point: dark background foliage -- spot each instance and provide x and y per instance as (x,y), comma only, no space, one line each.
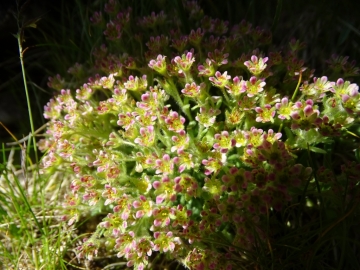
(62,38)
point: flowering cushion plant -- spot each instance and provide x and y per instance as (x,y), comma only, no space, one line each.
(194,149)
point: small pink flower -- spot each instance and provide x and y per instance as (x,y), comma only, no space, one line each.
(136,83)
(180,43)
(147,136)
(254,137)
(65,97)
(305,116)
(207,117)
(220,80)
(164,165)
(165,242)
(256,65)
(254,86)
(207,69)
(56,82)
(126,120)
(110,193)
(52,110)
(159,65)
(214,187)
(155,44)
(192,90)
(195,37)
(113,31)
(184,160)
(180,141)
(143,207)
(237,87)
(186,184)
(164,190)
(124,243)
(184,62)
(265,113)
(224,142)
(84,93)
(212,165)
(181,216)
(284,109)
(123,206)
(153,20)
(218,57)
(107,82)
(144,246)
(161,216)
(175,122)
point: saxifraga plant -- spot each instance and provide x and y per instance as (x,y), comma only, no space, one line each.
(210,146)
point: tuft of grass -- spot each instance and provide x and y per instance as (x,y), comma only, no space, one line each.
(32,235)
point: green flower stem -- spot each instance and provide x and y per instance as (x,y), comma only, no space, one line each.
(225,95)
(161,137)
(297,87)
(172,91)
(280,128)
(188,77)
(201,128)
(129,144)
(21,53)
